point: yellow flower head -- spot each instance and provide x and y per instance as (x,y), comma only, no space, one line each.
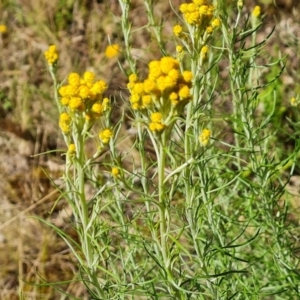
(3,28)
(177,30)
(71,149)
(133,78)
(204,51)
(184,92)
(206,10)
(84,92)
(192,7)
(51,55)
(293,101)
(115,172)
(174,74)
(156,127)
(135,98)
(65,101)
(179,48)
(105,104)
(99,87)
(130,85)
(256,11)
(204,137)
(146,101)
(105,135)
(216,23)
(154,70)
(75,103)
(184,8)
(174,98)
(64,122)
(156,117)
(97,108)
(161,83)
(192,18)
(168,63)
(138,88)
(89,77)
(149,86)
(209,29)
(64,117)
(112,50)
(74,79)
(70,90)
(165,83)
(187,76)
(156,122)
(63,91)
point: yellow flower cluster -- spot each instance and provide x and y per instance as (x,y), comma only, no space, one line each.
(198,13)
(156,122)
(165,89)
(71,149)
(105,135)
(204,51)
(64,122)
(204,137)
(84,94)
(165,84)
(83,98)
(177,29)
(51,55)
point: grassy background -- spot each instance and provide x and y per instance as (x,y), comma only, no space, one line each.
(29,251)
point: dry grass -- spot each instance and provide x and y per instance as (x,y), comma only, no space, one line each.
(29,251)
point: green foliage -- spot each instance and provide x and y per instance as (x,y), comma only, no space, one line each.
(6,103)
(64,14)
(204,216)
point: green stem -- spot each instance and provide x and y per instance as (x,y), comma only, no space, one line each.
(85,232)
(156,28)
(76,193)
(52,70)
(126,30)
(162,201)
